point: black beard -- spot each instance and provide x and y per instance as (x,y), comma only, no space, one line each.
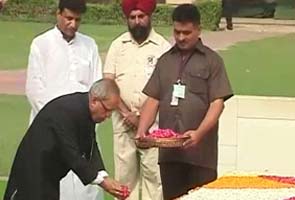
(139,33)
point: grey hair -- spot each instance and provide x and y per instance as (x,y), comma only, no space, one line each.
(104,88)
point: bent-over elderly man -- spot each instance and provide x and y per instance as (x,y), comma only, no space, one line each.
(62,138)
(62,61)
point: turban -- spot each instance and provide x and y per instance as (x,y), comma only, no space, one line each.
(146,6)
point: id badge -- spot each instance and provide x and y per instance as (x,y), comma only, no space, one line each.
(179,90)
(174,101)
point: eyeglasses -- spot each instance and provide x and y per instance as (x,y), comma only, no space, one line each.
(104,106)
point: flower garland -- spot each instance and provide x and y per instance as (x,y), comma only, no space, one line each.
(245,187)
(281,179)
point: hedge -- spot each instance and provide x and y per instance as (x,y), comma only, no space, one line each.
(44,11)
(210,13)
(30,10)
(261,9)
(285,9)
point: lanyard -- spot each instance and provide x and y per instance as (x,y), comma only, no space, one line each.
(183,63)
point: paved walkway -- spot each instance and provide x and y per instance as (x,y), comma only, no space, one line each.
(13,82)
(221,40)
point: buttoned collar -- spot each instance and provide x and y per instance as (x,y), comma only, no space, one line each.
(60,34)
(199,47)
(151,38)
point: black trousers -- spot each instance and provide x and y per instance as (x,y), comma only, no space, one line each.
(227,8)
(227,12)
(178,178)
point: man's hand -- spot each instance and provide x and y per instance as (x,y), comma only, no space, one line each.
(139,135)
(131,119)
(193,140)
(209,121)
(115,188)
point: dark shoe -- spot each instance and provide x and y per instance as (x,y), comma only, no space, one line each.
(229,23)
(229,27)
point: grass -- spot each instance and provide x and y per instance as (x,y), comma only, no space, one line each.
(264,67)
(16,37)
(105,138)
(285,9)
(14,121)
(2,188)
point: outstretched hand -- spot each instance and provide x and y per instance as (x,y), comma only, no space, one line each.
(115,188)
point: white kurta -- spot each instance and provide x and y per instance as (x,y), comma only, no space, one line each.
(57,67)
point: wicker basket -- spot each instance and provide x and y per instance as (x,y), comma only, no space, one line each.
(148,142)
(145,143)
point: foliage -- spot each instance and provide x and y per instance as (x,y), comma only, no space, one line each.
(44,11)
(104,14)
(30,10)
(34,2)
(162,15)
(255,9)
(210,11)
(285,9)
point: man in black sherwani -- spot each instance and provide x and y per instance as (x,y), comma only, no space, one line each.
(62,138)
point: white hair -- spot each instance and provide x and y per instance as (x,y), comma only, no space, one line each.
(104,88)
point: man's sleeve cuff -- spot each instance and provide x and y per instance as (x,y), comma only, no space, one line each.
(100,177)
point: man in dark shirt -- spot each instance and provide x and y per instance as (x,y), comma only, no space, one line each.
(62,138)
(188,88)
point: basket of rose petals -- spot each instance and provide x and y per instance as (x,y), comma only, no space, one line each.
(162,138)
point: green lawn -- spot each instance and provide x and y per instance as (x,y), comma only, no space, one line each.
(105,138)
(16,37)
(264,67)
(2,188)
(13,122)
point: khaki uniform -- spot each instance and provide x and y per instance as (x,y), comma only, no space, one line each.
(132,65)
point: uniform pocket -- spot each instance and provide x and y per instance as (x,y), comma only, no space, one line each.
(198,80)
